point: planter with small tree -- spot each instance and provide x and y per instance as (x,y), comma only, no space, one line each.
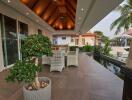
(26,70)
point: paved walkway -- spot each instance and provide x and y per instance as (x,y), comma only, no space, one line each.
(89,81)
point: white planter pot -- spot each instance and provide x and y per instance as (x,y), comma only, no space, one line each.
(41,94)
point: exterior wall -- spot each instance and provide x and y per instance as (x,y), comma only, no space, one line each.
(90,40)
(61,41)
(33,26)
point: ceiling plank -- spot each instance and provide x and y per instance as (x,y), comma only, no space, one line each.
(74,3)
(46,8)
(70,17)
(70,12)
(52,14)
(53,23)
(70,5)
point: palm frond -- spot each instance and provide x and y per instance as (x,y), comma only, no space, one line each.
(129,2)
(116,22)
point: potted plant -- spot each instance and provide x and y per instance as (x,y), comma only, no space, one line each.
(26,70)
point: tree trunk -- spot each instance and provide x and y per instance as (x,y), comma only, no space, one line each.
(36,84)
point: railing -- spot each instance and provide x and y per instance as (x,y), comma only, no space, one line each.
(121,70)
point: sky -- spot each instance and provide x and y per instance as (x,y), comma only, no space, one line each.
(104,24)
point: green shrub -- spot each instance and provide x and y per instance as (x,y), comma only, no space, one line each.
(73,48)
(23,71)
(106,49)
(88,48)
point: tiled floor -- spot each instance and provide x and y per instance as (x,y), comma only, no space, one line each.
(89,81)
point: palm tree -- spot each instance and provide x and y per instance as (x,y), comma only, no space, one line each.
(125,20)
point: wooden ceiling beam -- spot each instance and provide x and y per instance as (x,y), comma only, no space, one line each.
(53,23)
(50,1)
(70,12)
(74,3)
(70,5)
(52,14)
(70,17)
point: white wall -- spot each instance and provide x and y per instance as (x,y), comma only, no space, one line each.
(33,26)
(60,41)
(89,40)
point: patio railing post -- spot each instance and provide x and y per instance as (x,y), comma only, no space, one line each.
(127,88)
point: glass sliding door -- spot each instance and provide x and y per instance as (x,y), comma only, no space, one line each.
(9,40)
(23,32)
(12,34)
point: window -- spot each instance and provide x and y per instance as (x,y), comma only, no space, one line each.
(9,40)
(63,38)
(76,41)
(23,30)
(54,40)
(72,40)
(83,41)
(39,31)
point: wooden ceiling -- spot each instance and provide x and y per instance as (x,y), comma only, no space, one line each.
(60,14)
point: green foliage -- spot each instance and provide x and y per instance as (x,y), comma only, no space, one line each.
(26,70)
(73,48)
(97,52)
(99,33)
(23,71)
(36,46)
(106,49)
(88,48)
(125,20)
(81,49)
(103,37)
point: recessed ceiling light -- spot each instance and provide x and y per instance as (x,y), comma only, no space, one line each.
(37,20)
(8,1)
(82,9)
(27,13)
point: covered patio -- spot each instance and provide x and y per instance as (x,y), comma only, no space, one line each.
(88,81)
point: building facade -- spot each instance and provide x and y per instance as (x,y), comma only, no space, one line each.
(76,39)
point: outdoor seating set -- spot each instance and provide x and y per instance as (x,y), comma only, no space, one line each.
(60,59)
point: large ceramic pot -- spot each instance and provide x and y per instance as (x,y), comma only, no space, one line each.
(41,94)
